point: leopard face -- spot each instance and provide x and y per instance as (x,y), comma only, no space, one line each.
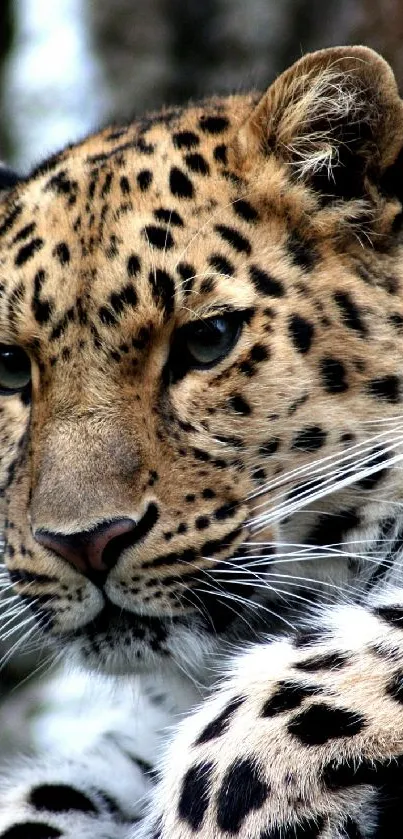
(199,313)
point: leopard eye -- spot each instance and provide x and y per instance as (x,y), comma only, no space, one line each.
(15,369)
(206,342)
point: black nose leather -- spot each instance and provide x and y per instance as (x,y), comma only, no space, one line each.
(94,552)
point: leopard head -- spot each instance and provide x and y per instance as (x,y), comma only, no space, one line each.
(200,314)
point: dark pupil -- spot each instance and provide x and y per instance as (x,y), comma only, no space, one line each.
(210,333)
(209,341)
(15,369)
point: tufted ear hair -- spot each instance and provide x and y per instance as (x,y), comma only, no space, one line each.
(8,179)
(335,117)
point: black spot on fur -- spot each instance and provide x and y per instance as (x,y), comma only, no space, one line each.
(240,405)
(195,792)
(197,163)
(142,146)
(234,238)
(321,723)
(25,231)
(31,830)
(395,687)
(201,455)
(264,283)
(61,184)
(378,457)
(221,723)
(309,637)
(144,179)
(60,798)
(287,696)
(333,375)
(27,251)
(10,220)
(302,253)
(324,661)
(213,124)
(106,316)
(158,237)
(163,289)
(220,154)
(202,522)
(207,285)
(309,439)
(305,828)
(221,265)
(62,253)
(301,333)
(396,319)
(125,185)
(133,265)
(391,614)
(185,140)
(245,210)
(226,511)
(242,791)
(187,274)
(122,299)
(269,447)
(386,387)
(42,309)
(168,217)
(179,183)
(350,312)
(259,353)
(350,773)
(107,185)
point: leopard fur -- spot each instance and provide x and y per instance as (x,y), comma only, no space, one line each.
(201,327)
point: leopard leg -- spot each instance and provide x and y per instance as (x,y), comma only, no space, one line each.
(303,740)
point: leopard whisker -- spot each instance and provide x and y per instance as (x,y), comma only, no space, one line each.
(323,464)
(25,639)
(244,601)
(315,468)
(16,628)
(329,485)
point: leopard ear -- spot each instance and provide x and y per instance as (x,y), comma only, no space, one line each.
(335,117)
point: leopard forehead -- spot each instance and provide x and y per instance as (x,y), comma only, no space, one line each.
(151,218)
(138,230)
(115,243)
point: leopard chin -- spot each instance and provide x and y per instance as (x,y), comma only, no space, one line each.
(121,642)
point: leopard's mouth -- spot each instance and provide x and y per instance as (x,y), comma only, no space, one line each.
(114,618)
(121,642)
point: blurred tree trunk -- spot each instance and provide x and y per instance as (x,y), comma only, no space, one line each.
(381,27)
(6,41)
(166,51)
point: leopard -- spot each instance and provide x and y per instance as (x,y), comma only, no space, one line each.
(201,386)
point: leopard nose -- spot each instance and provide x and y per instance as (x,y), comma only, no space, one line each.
(93,552)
